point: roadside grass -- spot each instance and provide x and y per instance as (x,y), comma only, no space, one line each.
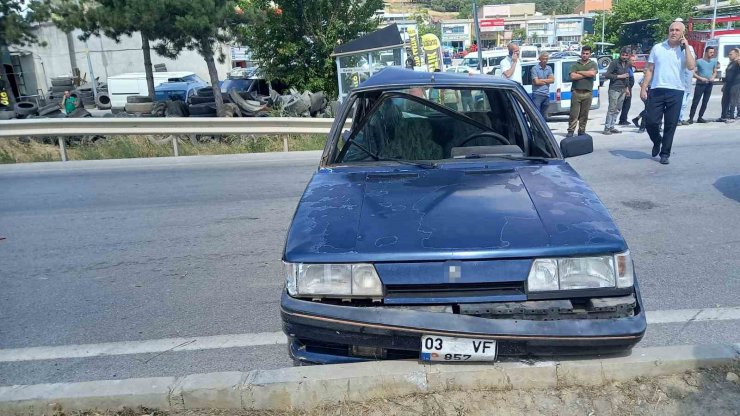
(126,147)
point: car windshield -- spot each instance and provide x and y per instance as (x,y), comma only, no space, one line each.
(471,62)
(430,124)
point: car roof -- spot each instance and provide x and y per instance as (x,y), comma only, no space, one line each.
(393,78)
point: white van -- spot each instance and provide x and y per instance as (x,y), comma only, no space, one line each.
(560,90)
(528,53)
(723,44)
(490,59)
(134,83)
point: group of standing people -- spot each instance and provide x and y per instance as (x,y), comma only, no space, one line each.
(665,88)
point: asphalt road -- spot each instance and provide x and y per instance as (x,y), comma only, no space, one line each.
(113,251)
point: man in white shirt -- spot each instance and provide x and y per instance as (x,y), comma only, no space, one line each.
(664,75)
(511,67)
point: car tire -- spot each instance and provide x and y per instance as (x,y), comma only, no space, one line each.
(203,110)
(204,92)
(196,99)
(159,108)
(7,115)
(48,109)
(103,101)
(604,61)
(138,99)
(139,107)
(25,108)
(79,113)
(56,114)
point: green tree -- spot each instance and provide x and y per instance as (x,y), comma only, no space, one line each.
(625,11)
(293,40)
(518,34)
(16,28)
(200,25)
(114,19)
(424,24)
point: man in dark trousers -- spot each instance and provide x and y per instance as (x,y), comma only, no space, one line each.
(618,75)
(706,72)
(732,81)
(664,76)
(583,74)
(628,96)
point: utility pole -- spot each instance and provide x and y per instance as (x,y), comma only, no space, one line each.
(714,19)
(477,37)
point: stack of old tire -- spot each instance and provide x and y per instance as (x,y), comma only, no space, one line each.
(203,103)
(58,86)
(84,93)
(139,105)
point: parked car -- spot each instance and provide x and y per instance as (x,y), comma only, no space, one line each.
(178,90)
(723,44)
(640,62)
(565,54)
(134,83)
(560,90)
(446,225)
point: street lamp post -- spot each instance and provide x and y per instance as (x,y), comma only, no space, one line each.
(477,37)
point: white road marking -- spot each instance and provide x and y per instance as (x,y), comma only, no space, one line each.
(276,338)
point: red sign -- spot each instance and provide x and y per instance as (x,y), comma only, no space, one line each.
(491,22)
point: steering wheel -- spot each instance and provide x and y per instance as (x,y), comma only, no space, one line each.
(492,134)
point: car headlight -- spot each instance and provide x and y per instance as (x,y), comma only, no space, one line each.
(581,273)
(332,280)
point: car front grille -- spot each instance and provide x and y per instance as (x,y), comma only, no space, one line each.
(444,291)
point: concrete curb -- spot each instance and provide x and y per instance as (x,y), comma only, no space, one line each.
(309,387)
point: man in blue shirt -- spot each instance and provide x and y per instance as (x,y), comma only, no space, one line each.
(706,72)
(663,75)
(542,77)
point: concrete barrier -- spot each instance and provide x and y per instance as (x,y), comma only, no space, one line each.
(308,387)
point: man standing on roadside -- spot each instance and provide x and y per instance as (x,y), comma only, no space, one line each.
(628,96)
(663,75)
(582,73)
(511,68)
(542,77)
(618,74)
(732,81)
(688,76)
(706,72)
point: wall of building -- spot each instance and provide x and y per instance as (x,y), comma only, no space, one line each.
(107,57)
(457,32)
(589,6)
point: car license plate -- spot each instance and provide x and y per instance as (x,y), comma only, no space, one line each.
(436,348)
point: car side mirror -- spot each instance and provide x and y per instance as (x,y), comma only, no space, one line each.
(579,145)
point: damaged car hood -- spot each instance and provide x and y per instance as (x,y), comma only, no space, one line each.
(486,212)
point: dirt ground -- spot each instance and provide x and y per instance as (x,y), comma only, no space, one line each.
(709,392)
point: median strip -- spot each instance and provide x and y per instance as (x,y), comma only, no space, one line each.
(309,387)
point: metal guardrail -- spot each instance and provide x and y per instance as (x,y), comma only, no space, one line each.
(164,126)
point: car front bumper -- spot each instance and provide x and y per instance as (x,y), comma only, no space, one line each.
(322,333)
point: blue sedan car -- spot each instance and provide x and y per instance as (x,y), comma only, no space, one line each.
(445,225)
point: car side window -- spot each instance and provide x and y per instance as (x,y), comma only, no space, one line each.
(527,72)
(535,134)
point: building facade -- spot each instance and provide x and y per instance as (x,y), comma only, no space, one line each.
(590,6)
(557,31)
(457,34)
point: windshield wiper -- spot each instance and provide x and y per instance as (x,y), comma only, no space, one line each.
(540,159)
(393,159)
